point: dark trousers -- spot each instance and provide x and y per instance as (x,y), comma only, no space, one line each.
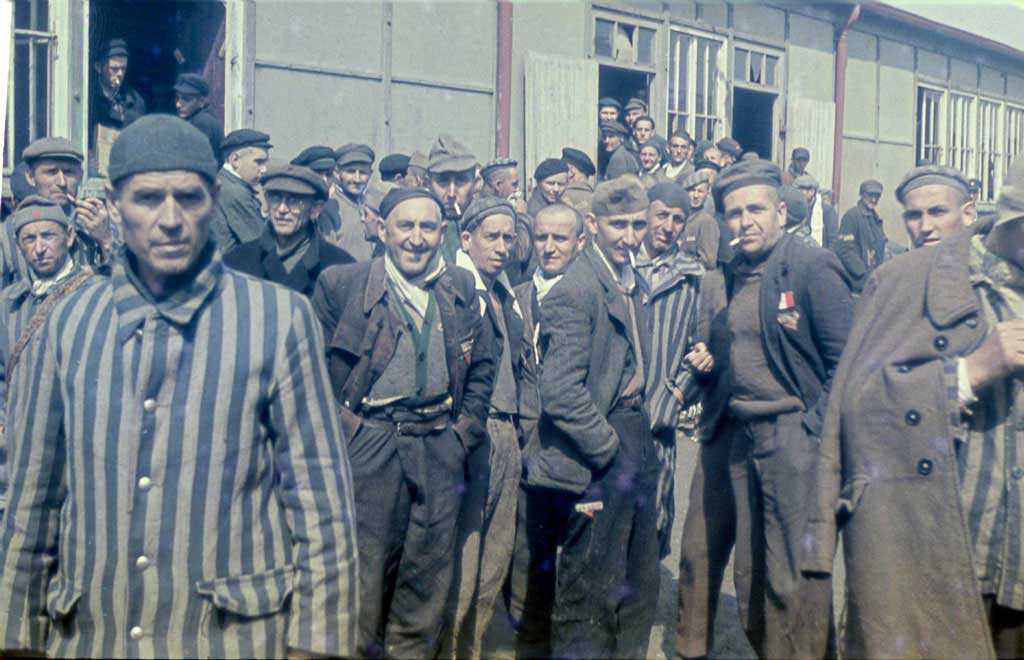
(606,588)
(407,492)
(709,533)
(784,613)
(1007,626)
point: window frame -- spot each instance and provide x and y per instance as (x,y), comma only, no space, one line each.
(635,22)
(34,38)
(689,113)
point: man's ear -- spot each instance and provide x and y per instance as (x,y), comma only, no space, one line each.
(465,238)
(782,214)
(591,222)
(970,211)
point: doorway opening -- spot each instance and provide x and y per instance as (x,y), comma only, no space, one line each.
(621,85)
(752,120)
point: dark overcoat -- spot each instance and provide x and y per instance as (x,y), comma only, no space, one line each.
(260,259)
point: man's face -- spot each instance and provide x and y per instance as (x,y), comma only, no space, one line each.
(553,186)
(45,246)
(632,115)
(411,234)
(870,199)
(612,141)
(372,223)
(575,175)
(490,245)
(250,163)
(455,189)
(165,220)
(726,158)
(933,213)
(619,236)
(664,224)
(353,179)
(505,182)
(643,130)
(649,157)
(800,164)
(698,194)
(187,104)
(289,212)
(756,216)
(810,194)
(556,240)
(608,113)
(715,155)
(327,176)
(113,71)
(55,178)
(679,150)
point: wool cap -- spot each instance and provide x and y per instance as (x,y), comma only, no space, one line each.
(398,195)
(20,187)
(112,48)
(418,159)
(580,160)
(449,155)
(730,146)
(609,102)
(319,158)
(750,155)
(743,174)
(392,165)
(1010,205)
(51,147)
(495,165)
(670,194)
(354,154)
(160,143)
(296,179)
(549,167)
(636,104)
(705,164)
(242,138)
(624,195)
(483,207)
(872,187)
(929,175)
(806,181)
(614,127)
(375,193)
(36,208)
(801,153)
(192,84)
(696,178)
(796,205)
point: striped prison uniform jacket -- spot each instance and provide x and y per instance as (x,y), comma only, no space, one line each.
(179,484)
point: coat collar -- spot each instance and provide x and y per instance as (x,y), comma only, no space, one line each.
(949,295)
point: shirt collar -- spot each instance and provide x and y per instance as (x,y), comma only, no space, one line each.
(543,285)
(626,280)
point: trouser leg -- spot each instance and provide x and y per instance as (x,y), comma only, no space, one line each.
(665,449)
(469,544)
(748,567)
(709,532)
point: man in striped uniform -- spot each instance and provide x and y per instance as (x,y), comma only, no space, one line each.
(179,483)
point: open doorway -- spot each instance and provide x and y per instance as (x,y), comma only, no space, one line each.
(621,85)
(752,120)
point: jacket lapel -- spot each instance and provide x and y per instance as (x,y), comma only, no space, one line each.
(949,296)
(615,301)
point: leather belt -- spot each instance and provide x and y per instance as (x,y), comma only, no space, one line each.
(415,429)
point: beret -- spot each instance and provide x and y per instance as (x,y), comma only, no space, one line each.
(418,159)
(871,186)
(800,153)
(481,208)
(297,179)
(354,154)
(549,167)
(609,102)
(20,187)
(750,155)
(393,164)
(113,48)
(580,160)
(51,147)
(399,194)
(670,194)
(806,181)
(730,146)
(705,164)
(614,127)
(449,155)
(374,194)
(928,175)
(621,196)
(191,83)
(1010,205)
(160,143)
(35,208)
(636,104)
(318,158)
(244,137)
(495,165)
(746,173)
(696,178)
(796,205)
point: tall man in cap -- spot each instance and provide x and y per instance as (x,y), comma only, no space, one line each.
(551,178)
(680,152)
(702,235)
(192,105)
(862,244)
(822,219)
(341,221)
(609,109)
(797,165)
(488,517)
(620,160)
(238,214)
(920,462)
(451,173)
(789,313)
(178,440)
(597,460)
(290,252)
(393,168)
(412,364)
(936,203)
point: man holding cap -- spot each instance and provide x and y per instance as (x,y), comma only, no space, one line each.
(190,100)
(192,402)
(393,167)
(862,244)
(451,173)
(550,178)
(412,365)
(341,220)
(238,215)
(798,161)
(290,252)
(822,218)
(597,461)
(620,159)
(919,463)
(936,203)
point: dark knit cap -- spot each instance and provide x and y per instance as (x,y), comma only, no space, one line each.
(51,147)
(242,138)
(932,175)
(399,195)
(796,205)
(319,158)
(549,167)
(35,208)
(609,102)
(705,164)
(481,208)
(191,84)
(580,160)
(112,48)
(746,173)
(354,154)
(161,143)
(670,194)
(392,165)
(730,146)
(296,179)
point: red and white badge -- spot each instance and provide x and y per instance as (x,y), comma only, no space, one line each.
(787,301)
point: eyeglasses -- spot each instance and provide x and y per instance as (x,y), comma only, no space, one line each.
(291,200)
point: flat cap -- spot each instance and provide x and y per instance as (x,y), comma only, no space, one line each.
(483,207)
(705,164)
(871,187)
(35,208)
(801,153)
(161,143)
(580,160)
(730,146)
(805,181)
(1010,205)
(670,194)
(449,155)
(497,164)
(549,167)
(796,205)
(398,194)
(624,195)
(392,165)
(296,179)
(746,173)
(636,104)
(354,154)
(418,159)
(375,193)
(319,158)
(51,147)
(192,84)
(614,127)
(697,178)
(112,48)
(929,175)
(20,187)
(244,137)
(609,102)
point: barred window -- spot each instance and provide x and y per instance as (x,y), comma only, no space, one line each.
(929,131)
(696,88)
(28,93)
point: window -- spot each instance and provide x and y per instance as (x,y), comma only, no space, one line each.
(989,149)
(1014,134)
(929,103)
(28,93)
(696,88)
(625,43)
(753,67)
(960,150)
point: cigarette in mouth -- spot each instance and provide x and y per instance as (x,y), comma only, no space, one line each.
(458,209)
(734,242)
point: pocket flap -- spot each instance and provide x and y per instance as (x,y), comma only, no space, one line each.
(61,598)
(256,594)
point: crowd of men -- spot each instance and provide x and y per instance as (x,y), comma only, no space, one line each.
(256,407)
